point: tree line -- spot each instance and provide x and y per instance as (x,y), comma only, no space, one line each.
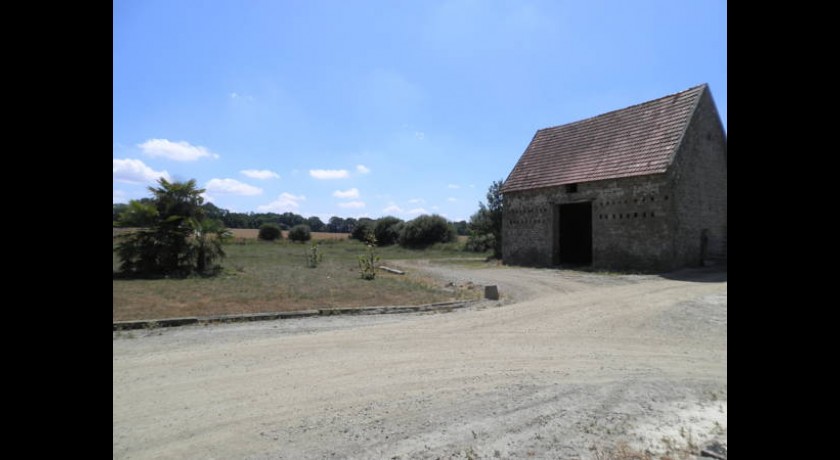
(126,215)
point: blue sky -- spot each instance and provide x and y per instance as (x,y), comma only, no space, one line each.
(373,108)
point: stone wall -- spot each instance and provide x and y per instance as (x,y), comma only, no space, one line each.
(699,175)
(630,223)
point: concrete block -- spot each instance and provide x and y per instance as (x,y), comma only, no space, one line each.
(491,292)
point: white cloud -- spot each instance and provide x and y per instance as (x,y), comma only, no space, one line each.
(232,187)
(453,186)
(210,199)
(416,201)
(451,200)
(236,95)
(178,151)
(351,193)
(328,173)
(419,135)
(472,185)
(352,204)
(120,197)
(417,211)
(262,174)
(393,209)
(285,202)
(136,172)
(362,169)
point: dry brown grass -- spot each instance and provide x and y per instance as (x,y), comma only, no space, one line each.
(271,277)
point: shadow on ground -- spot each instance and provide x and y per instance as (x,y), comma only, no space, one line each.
(713,274)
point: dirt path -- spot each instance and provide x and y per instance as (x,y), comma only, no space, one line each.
(566,361)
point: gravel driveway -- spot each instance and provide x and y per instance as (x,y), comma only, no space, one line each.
(566,365)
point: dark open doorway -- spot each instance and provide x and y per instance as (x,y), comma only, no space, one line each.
(575,233)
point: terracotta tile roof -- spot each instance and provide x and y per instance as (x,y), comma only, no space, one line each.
(634,141)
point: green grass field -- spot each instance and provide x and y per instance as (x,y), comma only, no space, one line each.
(269,277)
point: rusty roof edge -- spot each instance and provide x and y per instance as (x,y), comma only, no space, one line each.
(704,88)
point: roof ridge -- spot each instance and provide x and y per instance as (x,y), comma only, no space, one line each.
(693,88)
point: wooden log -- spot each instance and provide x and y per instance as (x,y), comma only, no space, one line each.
(392,270)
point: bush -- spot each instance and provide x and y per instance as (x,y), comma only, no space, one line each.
(426,230)
(480,243)
(361,231)
(314,256)
(368,261)
(269,232)
(300,233)
(387,230)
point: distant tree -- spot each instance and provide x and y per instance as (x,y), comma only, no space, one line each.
(176,239)
(290,219)
(118,209)
(362,229)
(485,226)
(316,224)
(337,225)
(461,227)
(300,233)
(237,220)
(387,230)
(269,232)
(350,224)
(426,230)
(211,211)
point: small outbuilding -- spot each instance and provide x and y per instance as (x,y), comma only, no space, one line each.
(643,187)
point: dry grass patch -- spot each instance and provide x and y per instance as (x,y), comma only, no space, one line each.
(270,277)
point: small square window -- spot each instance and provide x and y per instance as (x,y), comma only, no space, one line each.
(571,188)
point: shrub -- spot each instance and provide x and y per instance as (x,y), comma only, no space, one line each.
(426,230)
(368,261)
(300,233)
(314,256)
(487,222)
(387,230)
(362,230)
(269,232)
(480,243)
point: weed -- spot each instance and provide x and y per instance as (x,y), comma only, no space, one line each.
(471,455)
(368,261)
(314,256)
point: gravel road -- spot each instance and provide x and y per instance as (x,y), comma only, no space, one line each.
(566,365)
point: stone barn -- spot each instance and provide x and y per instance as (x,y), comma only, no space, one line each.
(639,188)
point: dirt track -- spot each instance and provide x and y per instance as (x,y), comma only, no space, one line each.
(566,361)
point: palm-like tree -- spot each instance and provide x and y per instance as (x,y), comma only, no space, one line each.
(177,239)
